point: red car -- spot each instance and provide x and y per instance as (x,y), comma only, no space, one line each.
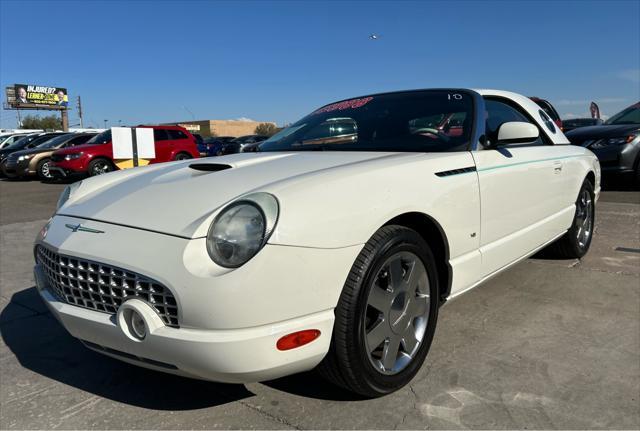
(96,156)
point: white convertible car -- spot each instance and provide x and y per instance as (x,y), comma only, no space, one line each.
(331,247)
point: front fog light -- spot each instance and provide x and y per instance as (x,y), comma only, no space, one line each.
(242,229)
(136,323)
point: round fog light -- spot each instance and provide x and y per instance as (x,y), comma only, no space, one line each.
(136,323)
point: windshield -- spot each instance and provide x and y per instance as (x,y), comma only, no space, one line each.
(54,142)
(419,121)
(100,138)
(20,143)
(631,115)
(41,139)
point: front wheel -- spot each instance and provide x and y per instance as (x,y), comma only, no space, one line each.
(99,167)
(43,170)
(386,317)
(182,156)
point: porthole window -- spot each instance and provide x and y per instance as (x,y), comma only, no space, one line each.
(547,121)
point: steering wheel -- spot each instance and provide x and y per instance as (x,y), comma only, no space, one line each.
(439,133)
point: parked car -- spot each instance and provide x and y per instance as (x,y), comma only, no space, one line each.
(237,145)
(198,138)
(36,161)
(25,143)
(575,123)
(616,142)
(7,140)
(548,108)
(319,250)
(96,156)
(213,146)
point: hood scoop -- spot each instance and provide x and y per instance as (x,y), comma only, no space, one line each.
(209,167)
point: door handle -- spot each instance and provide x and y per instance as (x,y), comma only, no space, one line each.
(557,167)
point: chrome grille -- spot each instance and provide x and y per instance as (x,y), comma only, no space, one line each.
(103,287)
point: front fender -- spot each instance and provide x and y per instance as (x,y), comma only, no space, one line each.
(344,206)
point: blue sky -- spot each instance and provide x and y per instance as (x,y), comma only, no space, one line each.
(148,62)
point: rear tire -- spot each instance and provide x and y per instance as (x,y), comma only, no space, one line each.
(43,170)
(99,167)
(576,242)
(386,316)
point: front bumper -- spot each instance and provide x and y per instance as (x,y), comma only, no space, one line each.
(229,321)
(230,356)
(16,169)
(71,167)
(618,159)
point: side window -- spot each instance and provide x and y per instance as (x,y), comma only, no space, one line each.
(176,134)
(160,135)
(334,130)
(79,140)
(497,113)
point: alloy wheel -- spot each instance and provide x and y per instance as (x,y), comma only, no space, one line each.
(102,167)
(46,172)
(397,313)
(584,218)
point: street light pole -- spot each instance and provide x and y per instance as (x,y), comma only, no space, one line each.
(105,123)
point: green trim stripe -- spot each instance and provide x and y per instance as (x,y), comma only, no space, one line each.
(491,168)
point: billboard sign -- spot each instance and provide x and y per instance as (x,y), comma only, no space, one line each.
(43,96)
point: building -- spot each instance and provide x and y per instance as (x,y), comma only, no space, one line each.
(221,127)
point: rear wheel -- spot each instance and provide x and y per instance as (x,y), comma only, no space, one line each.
(99,167)
(43,170)
(576,242)
(386,316)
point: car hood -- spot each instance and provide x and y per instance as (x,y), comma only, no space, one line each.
(5,152)
(175,199)
(77,148)
(580,134)
(34,151)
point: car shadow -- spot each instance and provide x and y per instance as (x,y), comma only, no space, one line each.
(43,346)
(312,385)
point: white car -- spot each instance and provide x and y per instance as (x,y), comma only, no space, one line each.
(333,246)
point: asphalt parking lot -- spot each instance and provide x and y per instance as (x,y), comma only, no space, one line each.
(548,344)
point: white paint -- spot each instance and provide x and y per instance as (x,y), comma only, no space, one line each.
(518,200)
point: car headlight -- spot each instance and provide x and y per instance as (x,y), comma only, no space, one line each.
(25,157)
(613,141)
(66,194)
(241,229)
(73,156)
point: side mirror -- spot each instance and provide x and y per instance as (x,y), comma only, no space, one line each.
(517,132)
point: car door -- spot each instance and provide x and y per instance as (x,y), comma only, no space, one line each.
(522,203)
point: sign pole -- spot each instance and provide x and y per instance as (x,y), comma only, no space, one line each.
(65,120)
(80,113)
(134,144)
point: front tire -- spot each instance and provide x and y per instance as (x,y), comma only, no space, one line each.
(99,167)
(44,173)
(576,242)
(386,317)
(182,156)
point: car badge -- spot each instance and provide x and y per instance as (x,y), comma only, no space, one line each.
(79,228)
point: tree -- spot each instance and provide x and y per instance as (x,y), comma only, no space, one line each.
(46,122)
(266,129)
